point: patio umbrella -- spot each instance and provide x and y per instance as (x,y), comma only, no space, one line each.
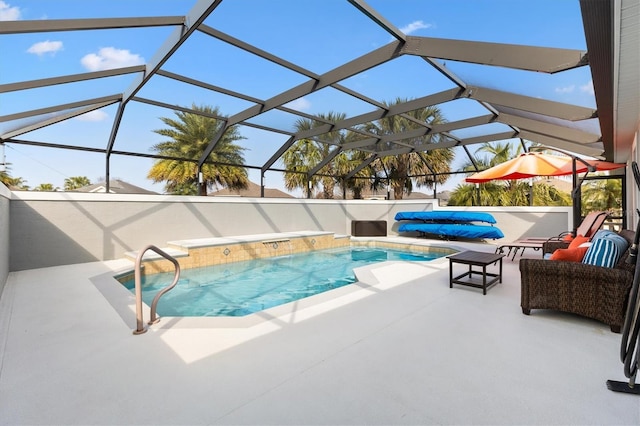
(593,166)
(524,166)
(533,164)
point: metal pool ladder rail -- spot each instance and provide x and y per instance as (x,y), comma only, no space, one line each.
(140,328)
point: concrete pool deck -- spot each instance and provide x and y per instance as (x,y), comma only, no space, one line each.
(409,350)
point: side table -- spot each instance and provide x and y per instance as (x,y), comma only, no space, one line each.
(479,259)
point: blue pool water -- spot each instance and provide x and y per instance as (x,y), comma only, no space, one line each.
(242,288)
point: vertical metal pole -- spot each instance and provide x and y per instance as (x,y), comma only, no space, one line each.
(577,197)
(202,187)
(112,140)
(107,164)
(344,188)
(3,160)
(261,184)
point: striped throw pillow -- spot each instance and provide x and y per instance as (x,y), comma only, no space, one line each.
(602,252)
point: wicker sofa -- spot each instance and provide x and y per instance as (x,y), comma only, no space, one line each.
(591,291)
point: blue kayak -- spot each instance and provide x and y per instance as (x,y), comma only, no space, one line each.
(453,230)
(446,216)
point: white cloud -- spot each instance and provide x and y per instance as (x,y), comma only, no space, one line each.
(414,26)
(45,47)
(110,58)
(588,88)
(8,13)
(300,104)
(566,89)
(95,115)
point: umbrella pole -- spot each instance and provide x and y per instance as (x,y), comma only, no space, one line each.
(530,191)
(576,195)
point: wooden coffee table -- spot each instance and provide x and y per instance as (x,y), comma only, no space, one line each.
(479,259)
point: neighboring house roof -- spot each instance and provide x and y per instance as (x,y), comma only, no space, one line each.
(115,187)
(253,190)
(415,195)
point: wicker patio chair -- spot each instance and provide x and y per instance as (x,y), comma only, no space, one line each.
(592,291)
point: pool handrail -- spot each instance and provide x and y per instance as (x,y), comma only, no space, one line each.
(140,328)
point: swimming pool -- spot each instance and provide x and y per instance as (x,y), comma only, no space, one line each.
(242,288)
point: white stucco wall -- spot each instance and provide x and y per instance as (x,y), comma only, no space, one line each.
(49,229)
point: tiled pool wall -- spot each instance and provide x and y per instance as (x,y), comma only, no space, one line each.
(226,252)
(208,253)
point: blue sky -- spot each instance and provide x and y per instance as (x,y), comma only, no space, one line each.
(318,35)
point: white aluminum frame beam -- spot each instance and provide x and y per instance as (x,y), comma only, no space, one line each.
(55,119)
(552,130)
(363,63)
(530,104)
(198,13)
(529,58)
(107,100)
(504,107)
(378,19)
(71,78)
(56,25)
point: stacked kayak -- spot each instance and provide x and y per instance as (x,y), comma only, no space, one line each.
(449,224)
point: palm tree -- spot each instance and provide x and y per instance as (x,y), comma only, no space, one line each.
(549,195)
(493,154)
(13,183)
(499,152)
(602,195)
(186,188)
(300,158)
(5,178)
(45,187)
(475,195)
(399,169)
(76,182)
(305,154)
(348,161)
(189,135)
(465,195)
(493,193)
(508,193)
